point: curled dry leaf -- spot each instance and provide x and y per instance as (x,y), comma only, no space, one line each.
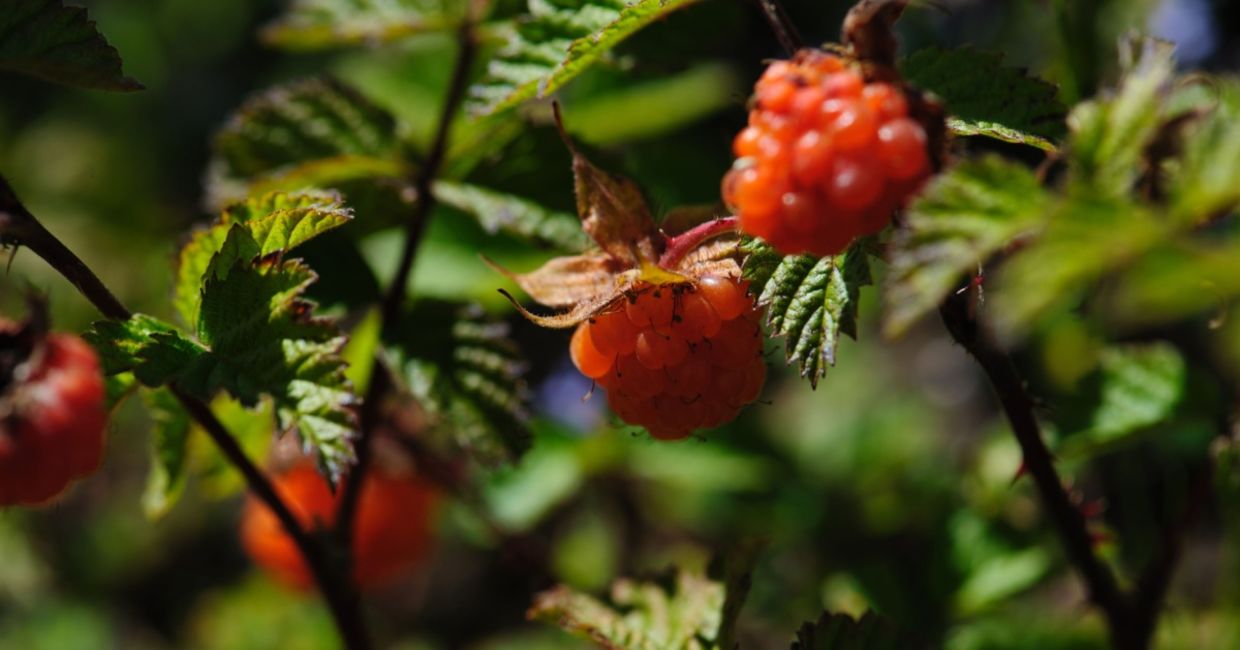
(633,255)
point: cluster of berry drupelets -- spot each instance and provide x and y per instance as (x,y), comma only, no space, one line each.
(826,158)
(676,358)
(52,419)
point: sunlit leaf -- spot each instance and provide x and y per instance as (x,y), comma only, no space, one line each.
(681,612)
(499,212)
(314,132)
(169,436)
(317,24)
(555,42)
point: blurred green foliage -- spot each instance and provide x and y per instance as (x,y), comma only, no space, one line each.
(891,487)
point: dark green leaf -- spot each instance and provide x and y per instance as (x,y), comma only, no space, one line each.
(985,97)
(736,566)
(169,438)
(555,42)
(46,39)
(316,24)
(966,215)
(467,376)
(512,214)
(842,632)
(810,301)
(680,613)
(315,132)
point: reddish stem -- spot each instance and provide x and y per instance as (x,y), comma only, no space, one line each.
(680,245)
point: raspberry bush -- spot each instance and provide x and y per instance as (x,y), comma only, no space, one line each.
(401,332)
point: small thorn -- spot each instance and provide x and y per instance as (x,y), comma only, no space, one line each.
(1099,537)
(1021,472)
(1092,509)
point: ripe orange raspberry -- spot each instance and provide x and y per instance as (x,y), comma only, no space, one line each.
(676,358)
(391,534)
(826,157)
(52,413)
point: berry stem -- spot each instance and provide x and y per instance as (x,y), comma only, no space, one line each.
(394,298)
(784,30)
(1069,524)
(18,225)
(682,244)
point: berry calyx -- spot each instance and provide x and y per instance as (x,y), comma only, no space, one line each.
(677,357)
(391,533)
(828,155)
(52,415)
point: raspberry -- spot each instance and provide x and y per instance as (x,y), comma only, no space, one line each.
(676,359)
(826,157)
(391,534)
(52,414)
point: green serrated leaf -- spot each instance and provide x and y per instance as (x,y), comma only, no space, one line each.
(46,39)
(998,131)
(277,223)
(1086,238)
(681,612)
(555,42)
(842,632)
(318,24)
(1140,387)
(169,448)
(314,132)
(985,97)
(809,301)
(263,340)
(467,376)
(498,212)
(154,351)
(966,215)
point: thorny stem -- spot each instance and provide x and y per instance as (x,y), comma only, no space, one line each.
(1068,521)
(394,298)
(785,31)
(19,225)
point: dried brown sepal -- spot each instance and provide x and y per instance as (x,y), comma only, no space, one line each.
(612,209)
(634,255)
(868,31)
(614,213)
(568,281)
(717,257)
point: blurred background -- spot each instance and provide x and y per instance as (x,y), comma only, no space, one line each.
(890,487)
